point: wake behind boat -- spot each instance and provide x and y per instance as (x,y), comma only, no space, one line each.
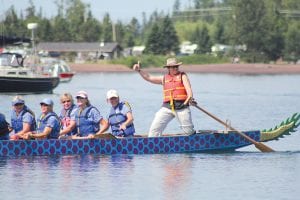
(202,141)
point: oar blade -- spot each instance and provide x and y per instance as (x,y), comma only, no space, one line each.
(263,148)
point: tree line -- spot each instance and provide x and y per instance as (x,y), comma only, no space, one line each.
(270,29)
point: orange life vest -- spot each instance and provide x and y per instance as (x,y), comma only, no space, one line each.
(173,88)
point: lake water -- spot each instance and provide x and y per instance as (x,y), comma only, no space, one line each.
(248,102)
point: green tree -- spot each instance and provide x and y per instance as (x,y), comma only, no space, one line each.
(107,29)
(11,24)
(75,15)
(176,6)
(202,39)
(250,26)
(45,31)
(90,29)
(250,23)
(168,37)
(61,30)
(153,45)
(120,32)
(219,33)
(292,44)
(30,10)
(163,38)
(132,33)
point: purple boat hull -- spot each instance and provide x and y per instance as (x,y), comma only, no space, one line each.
(207,141)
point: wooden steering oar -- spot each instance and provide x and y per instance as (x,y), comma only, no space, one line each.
(262,147)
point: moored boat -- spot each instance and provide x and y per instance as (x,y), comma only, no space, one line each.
(17,78)
(202,141)
(57,67)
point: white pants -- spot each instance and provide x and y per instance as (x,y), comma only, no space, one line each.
(165,115)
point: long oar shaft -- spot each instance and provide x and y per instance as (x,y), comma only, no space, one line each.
(262,147)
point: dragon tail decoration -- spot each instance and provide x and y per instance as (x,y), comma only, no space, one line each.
(285,128)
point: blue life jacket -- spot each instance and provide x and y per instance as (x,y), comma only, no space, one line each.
(116,119)
(83,124)
(42,122)
(4,131)
(65,116)
(17,121)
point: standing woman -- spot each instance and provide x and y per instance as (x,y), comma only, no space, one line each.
(88,119)
(177,94)
(22,118)
(48,125)
(67,115)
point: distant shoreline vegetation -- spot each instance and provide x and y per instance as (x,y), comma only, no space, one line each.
(157,60)
(270,30)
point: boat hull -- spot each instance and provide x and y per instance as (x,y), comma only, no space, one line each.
(66,77)
(136,145)
(28,84)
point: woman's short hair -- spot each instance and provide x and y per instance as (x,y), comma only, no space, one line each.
(65,96)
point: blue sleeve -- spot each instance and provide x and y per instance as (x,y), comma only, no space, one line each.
(73,114)
(95,115)
(126,108)
(28,118)
(52,122)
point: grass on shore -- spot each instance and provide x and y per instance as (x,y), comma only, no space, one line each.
(159,61)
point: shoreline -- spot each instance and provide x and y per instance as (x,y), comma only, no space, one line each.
(227,68)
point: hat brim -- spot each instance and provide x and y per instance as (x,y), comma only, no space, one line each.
(173,65)
(18,102)
(46,104)
(82,96)
(109,97)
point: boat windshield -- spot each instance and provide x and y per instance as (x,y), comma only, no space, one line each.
(10,59)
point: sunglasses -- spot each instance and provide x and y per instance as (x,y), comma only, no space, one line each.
(43,104)
(67,101)
(19,104)
(174,67)
(80,98)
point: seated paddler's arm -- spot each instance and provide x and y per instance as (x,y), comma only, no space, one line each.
(188,88)
(44,134)
(128,121)
(103,127)
(26,129)
(146,75)
(68,129)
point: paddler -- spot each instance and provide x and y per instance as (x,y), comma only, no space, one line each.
(177,94)
(120,118)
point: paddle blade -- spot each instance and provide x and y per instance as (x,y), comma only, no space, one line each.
(263,148)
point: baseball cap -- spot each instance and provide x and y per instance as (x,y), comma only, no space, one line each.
(111,93)
(82,94)
(47,101)
(17,100)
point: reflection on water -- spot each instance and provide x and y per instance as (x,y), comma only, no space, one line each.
(249,102)
(174,176)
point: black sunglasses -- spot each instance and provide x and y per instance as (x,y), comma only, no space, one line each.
(174,67)
(19,104)
(80,98)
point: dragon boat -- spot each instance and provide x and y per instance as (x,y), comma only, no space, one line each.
(201,141)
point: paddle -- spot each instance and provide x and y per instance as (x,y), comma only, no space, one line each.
(262,147)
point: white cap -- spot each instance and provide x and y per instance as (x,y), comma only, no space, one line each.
(111,93)
(82,94)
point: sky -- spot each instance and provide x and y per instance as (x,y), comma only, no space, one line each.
(122,10)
